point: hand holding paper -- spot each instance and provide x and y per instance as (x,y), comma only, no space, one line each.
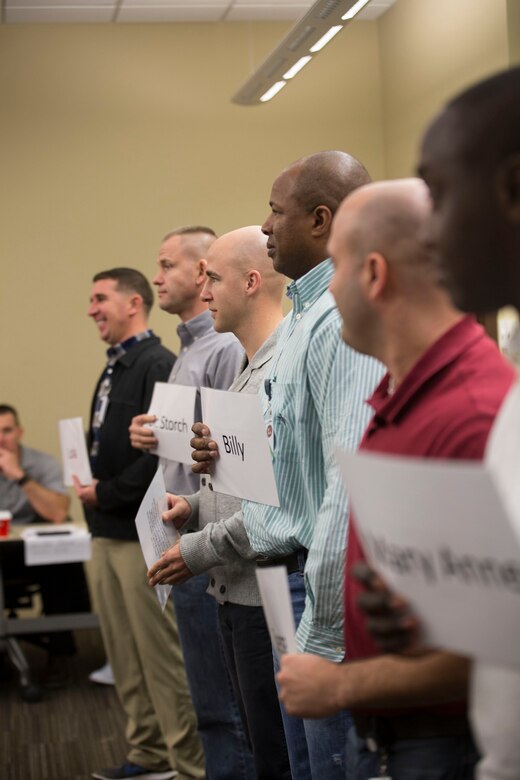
(74,453)
(170,569)
(205,449)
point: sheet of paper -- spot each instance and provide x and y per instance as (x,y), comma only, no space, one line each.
(174,407)
(155,536)
(276,601)
(503,455)
(244,468)
(46,544)
(438,533)
(74,453)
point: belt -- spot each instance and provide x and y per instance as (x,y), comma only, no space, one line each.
(380,732)
(293,562)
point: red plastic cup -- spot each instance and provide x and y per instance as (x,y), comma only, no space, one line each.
(5,522)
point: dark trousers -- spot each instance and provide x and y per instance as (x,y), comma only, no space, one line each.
(249,656)
(63,589)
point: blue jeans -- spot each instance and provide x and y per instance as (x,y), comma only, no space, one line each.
(250,659)
(445,758)
(226,748)
(316,747)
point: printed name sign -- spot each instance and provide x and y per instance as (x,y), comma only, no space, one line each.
(74,454)
(244,468)
(438,533)
(174,407)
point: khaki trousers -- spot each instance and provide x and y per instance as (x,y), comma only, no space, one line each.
(142,646)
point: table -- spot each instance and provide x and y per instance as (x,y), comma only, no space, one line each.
(13,627)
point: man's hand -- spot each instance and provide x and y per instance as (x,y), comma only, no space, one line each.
(309,685)
(141,436)
(10,465)
(205,450)
(170,569)
(86,493)
(389,620)
(179,510)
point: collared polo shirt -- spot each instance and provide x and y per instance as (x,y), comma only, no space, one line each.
(443,408)
(316,395)
(206,359)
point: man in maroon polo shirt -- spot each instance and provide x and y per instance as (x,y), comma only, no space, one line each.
(445,383)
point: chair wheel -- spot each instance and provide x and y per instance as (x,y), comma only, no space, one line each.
(31,693)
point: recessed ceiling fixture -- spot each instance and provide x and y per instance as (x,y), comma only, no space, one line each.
(324,20)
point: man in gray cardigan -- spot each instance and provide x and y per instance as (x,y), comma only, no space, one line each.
(244,295)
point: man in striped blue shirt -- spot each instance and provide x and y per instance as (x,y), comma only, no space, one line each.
(314,399)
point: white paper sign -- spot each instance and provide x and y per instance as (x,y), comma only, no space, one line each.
(56,544)
(438,533)
(74,453)
(503,455)
(174,407)
(244,467)
(155,536)
(276,601)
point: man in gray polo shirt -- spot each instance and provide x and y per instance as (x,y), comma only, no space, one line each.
(206,359)
(32,489)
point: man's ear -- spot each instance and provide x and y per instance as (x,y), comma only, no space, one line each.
(201,266)
(322,221)
(253,280)
(136,303)
(374,276)
(508,186)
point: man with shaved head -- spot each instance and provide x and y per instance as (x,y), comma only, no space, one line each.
(206,359)
(470,160)
(446,380)
(314,400)
(244,295)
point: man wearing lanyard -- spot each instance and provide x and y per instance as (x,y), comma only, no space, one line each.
(141,642)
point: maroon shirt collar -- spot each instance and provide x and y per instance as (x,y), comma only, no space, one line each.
(443,352)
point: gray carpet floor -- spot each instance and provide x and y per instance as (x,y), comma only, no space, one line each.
(68,734)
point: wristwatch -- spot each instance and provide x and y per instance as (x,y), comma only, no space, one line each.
(23,479)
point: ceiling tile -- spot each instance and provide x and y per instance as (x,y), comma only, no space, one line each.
(78,14)
(241,13)
(170,14)
(14,4)
(185,4)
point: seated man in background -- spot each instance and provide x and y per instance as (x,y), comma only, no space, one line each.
(32,489)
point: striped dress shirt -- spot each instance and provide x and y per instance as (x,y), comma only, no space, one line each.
(316,399)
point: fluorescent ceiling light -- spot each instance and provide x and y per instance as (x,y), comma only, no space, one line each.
(355,9)
(272,91)
(323,41)
(320,24)
(296,68)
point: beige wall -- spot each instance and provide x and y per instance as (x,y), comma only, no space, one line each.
(111,135)
(429,51)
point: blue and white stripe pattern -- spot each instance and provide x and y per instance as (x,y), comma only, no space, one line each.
(318,387)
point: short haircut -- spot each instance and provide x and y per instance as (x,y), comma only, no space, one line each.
(190,230)
(326,178)
(129,280)
(8,409)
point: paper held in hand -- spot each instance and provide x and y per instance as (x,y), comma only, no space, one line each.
(155,536)
(174,407)
(276,601)
(439,534)
(244,467)
(74,453)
